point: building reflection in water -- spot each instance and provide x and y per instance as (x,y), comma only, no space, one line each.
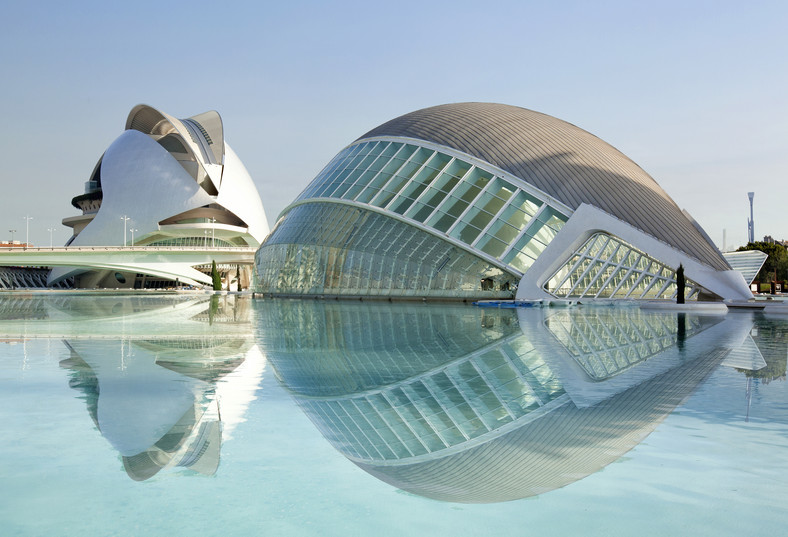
(165,380)
(485,405)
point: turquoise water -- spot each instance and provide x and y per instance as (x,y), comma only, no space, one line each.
(180,415)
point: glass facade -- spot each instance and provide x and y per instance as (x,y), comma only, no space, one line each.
(607,267)
(337,249)
(445,194)
(427,190)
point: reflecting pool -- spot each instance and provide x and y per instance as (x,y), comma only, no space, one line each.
(190,414)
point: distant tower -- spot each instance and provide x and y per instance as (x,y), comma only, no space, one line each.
(750,223)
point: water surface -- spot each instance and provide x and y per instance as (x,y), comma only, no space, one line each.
(230,416)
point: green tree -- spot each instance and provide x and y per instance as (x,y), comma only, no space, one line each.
(777,260)
(215,278)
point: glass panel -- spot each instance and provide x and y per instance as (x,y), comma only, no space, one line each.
(515,217)
(437,191)
(486,404)
(596,244)
(413,410)
(386,151)
(419,183)
(639,290)
(544,235)
(386,172)
(433,413)
(552,218)
(476,218)
(495,197)
(602,287)
(466,233)
(503,231)
(464,418)
(458,168)
(525,203)
(402,177)
(438,161)
(384,432)
(326,174)
(472,185)
(492,246)
(453,207)
(520,260)
(397,424)
(442,222)
(505,382)
(644,264)
(560,283)
(347,168)
(420,212)
(502,189)
(535,240)
(351,178)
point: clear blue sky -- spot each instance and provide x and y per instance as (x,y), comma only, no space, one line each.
(694,92)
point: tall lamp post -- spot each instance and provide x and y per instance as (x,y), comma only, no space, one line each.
(125,221)
(751,221)
(27,229)
(132,235)
(51,230)
(12,231)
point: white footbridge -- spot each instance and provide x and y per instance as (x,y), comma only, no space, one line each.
(168,262)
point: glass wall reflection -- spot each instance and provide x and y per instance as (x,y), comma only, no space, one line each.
(484,405)
(446,401)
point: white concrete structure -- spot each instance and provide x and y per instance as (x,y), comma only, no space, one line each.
(748,262)
(164,182)
(156,263)
(481,200)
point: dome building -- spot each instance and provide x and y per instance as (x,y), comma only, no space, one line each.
(481,200)
(165,182)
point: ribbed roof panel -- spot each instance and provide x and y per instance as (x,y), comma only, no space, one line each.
(561,160)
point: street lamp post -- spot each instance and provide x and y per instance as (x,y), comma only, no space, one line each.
(12,231)
(125,221)
(50,229)
(27,229)
(132,235)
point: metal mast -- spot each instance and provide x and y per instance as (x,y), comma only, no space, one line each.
(750,222)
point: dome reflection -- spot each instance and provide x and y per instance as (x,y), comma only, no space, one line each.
(485,405)
(164,400)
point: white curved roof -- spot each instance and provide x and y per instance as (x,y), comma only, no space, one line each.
(142,181)
(148,184)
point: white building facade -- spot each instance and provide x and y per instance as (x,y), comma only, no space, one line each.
(165,182)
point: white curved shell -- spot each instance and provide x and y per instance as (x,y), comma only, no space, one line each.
(168,178)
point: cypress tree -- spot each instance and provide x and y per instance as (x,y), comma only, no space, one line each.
(680,284)
(217,280)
